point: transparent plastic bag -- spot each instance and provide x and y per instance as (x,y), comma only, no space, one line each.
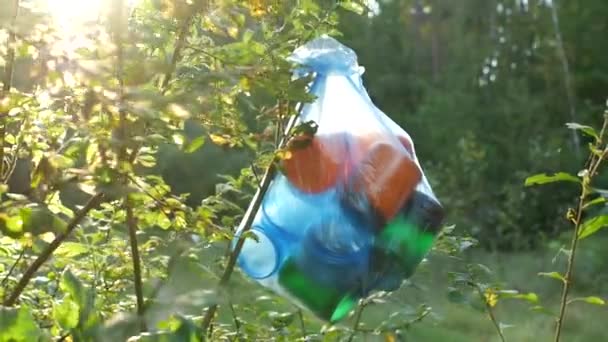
(352,211)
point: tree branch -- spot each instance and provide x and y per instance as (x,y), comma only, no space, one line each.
(7,80)
(566,71)
(122,156)
(132,225)
(247,221)
(46,254)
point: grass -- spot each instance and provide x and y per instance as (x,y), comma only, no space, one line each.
(448,321)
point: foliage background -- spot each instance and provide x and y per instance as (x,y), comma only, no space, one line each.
(173,110)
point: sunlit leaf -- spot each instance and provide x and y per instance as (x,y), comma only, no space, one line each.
(17,323)
(585,129)
(596,201)
(544,178)
(71,249)
(592,226)
(594,300)
(219,140)
(195,144)
(554,275)
(352,6)
(66,313)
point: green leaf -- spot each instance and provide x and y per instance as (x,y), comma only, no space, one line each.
(596,201)
(455,295)
(18,323)
(81,296)
(146,160)
(530,297)
(554,275)
(11,226)
(352,7)
(71,285)
(592,226)
(543,178)
(182,329)
(66,314)
(195,144)
(71,249)
(585,129)
(594,300)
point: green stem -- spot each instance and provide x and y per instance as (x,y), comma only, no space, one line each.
(358,316)
(567,283)
(490,311)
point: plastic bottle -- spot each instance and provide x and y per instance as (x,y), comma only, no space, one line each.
(317,166)
(410,235)
(262,258)
(329,269)
(385,172)
(292,209)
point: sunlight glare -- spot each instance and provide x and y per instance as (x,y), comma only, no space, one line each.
(68,14)
(75,18)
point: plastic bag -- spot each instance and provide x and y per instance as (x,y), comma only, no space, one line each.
(352,211)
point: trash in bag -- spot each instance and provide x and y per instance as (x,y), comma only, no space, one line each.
(351,211)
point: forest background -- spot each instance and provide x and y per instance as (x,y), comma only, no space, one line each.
(132,145)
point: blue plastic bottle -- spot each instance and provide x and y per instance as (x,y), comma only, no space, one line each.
(330,267)
(285,214)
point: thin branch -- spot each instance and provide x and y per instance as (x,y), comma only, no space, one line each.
(122,156)
(566,71)
(10,271)
(237,323)
(46,254)
(177,54)
(179,45)
(489,310)
(132,224)
(249,216)
(358,316)
(593,166)
(402,326)
(247,221)
(7,80)
(302,326)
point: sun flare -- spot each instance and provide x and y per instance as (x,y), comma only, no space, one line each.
(72,15)
(70,11)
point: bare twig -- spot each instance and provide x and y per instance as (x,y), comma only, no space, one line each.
(358,316)
(7,80)
(182,35)
(592,167)
(122,156)
(132,224)
(566,71)
(46,254)
(177,51)
(302,326)
(10,271)
(237,323)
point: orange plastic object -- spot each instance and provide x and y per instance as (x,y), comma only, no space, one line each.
(407,143)
(388,176)
(316,167)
